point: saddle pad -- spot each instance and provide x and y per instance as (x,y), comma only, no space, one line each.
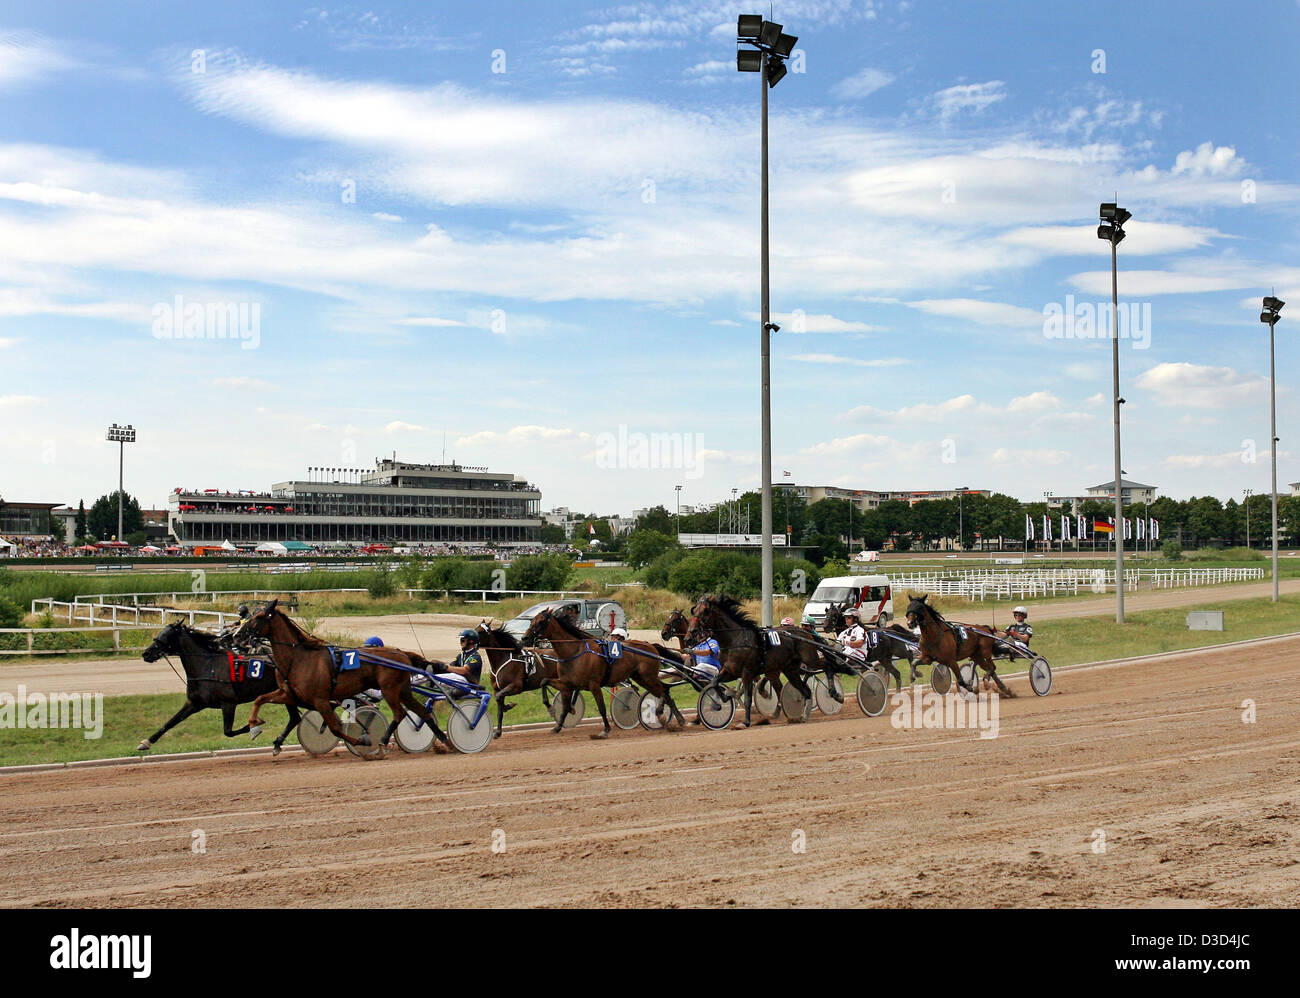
(774,638)
(614,651)
(873,638)
(351,660)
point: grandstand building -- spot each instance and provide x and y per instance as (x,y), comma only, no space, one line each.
(396,503)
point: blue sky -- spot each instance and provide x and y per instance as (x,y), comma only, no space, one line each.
(529,228)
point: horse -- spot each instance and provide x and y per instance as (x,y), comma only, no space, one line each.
(884,644)
(515,669)
(586,663)
(214,678)
(748,652)
(306,676)
(942,641)
(677,626)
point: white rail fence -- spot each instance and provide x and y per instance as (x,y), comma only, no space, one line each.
(981,584)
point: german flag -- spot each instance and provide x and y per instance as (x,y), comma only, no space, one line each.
(1100,526)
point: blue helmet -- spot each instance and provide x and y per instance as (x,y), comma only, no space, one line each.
(472,635)
(373,643)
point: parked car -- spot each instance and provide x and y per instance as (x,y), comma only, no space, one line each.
(870,594)
(598,616)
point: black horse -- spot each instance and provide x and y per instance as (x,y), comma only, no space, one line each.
(215,676)
(884,644)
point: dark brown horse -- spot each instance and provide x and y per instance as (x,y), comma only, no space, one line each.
(749,651)
(948,643)
(515,669)
(306,674)
(586,663)
(884,644)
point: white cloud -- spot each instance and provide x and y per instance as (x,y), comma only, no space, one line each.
(1201,386)
(830,358)
(428,320)
(969,97)
(843,445)
(397,426)
(1034,402)
(861,84)
(985,313)
(1145,238)
(921,411)
(1208,161)
(244,384)
(1022,456)
(800,322)
(522,435)
(17,400)
(29,58)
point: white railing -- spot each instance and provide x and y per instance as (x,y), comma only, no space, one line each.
(32,632)
(981,584)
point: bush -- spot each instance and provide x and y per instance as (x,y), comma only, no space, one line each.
(644,546)
(381,583)
(539,571)
(458,573)
(655,575)
(1171,551)
(11,614)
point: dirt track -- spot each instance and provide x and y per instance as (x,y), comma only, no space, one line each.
(1197,808)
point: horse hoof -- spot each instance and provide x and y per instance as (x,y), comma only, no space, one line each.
(254,732)
(275,750)
(557,729)
(144,746)
(365,740)
(440,749)
(599,736)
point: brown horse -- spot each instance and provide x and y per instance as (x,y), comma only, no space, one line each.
(943,641)
(305,671)
(586,663)
(515,669)
(749,651)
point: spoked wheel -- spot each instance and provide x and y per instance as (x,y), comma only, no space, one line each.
(765,698)
(653,711)
(940,678)
(716,708)
(314,736)
(464,734)
(576,711)
(1040,676)
(826,703)
(794,704)
(873,693)
(625,708)
(372,723)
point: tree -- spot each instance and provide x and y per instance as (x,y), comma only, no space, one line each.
(82,529)
(101,521)
(539,572)
(552,533)
(657,519)
(644,546)
(57,530)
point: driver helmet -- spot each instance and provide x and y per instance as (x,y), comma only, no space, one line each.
(1019,611)
(852,612)
(468,635)
(619,632)
(243,611)
(373,643)
(787,621)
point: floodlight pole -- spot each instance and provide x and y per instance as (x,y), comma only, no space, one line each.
(1272,447)
(121,463)
(1118,533)
(765,319)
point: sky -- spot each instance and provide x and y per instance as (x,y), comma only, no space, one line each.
(526,236)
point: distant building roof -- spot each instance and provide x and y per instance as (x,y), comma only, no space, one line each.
(1125,484)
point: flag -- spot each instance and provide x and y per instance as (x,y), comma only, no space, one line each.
(1155,529)
(1083,527)
(591,530)
(1103,525)
(1128,529)
(786,473)
(1065,528)
(1029,528)
(1047,528)
(1141,523)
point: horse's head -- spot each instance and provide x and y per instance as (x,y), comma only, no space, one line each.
(675,626)
(257,626)
(919,610)
(166,642)
(537,628)
(834,620)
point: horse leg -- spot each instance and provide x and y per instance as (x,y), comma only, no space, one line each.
(563,692)
(228,721)
(275,696)
(294,718)
(326,710)
(991,672)
(514,689)
(888,663)
(666,694)
(600,705)
(186,710)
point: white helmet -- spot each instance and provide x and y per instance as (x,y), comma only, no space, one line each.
(619,632)
(1020,609)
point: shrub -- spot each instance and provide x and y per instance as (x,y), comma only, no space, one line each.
(1171,551)
(11,614)
(381,583)
(655,575)
(539,571)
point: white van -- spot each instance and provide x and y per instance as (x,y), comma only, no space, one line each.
(870,594)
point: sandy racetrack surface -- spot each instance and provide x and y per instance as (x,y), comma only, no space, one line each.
(1196,807)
